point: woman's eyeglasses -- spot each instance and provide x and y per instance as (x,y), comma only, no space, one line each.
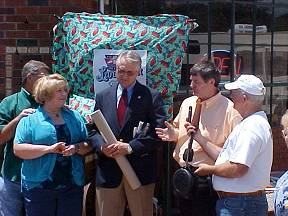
(285,133)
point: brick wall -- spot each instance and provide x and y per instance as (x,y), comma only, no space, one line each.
(26,33)
(280,151)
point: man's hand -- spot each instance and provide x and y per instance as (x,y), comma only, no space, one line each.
(190,128)
(168,133)
(26,112)
(115,149)
(204,170)
(198,137)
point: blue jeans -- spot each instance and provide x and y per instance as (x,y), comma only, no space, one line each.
(242,206)
(52,202)
(11,198)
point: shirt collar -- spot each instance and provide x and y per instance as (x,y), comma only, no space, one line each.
(211,101)
(25,91)
(29,96)
(46,116)
(129,89)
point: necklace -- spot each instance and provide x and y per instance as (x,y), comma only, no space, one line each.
(53,114)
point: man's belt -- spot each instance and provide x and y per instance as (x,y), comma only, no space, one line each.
(223,194)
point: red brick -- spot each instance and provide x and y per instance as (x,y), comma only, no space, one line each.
(7,26)
(15,18)
(2,73)
(38,18)
(70,9)
(16,84)
(2,49)
(39,34)
(2,18)
(29,26)
(27,10)
(17,73)
(13,3)
(49,10)
(47,59)
(61,3)
(8,42)
(45,42)
(46,26)
(7,11)
(16,34)
(280,151)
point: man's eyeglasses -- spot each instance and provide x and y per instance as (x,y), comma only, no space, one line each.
(128,73)
(39,74)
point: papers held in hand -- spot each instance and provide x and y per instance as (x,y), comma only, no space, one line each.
(141,130)
(109,137)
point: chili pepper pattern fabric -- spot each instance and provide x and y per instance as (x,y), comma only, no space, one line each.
(165,38)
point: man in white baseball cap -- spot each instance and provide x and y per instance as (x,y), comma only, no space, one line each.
(242,169)
(248,83)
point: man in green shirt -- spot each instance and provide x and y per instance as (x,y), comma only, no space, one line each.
(12,109)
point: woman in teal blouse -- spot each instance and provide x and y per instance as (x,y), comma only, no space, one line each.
(49,141)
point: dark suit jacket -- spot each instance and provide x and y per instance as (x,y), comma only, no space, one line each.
(145,105)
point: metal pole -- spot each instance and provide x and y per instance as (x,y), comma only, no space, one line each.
(101,6)
(254,38)
(271,60)
(232,34)
(209,30)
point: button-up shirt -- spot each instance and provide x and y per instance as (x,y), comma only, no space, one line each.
(217,119)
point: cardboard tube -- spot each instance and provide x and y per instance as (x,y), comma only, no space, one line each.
(122,161)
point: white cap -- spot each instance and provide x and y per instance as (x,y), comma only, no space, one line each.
(248,83)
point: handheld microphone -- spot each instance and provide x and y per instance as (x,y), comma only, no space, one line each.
(189,153)
(187,156)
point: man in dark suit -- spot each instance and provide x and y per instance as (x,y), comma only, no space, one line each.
(124,105)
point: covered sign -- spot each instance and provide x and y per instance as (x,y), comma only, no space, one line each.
(164,37)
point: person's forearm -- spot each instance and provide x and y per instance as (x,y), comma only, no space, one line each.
(176,135)
(30,151)
(7,133)
(212,150)
(229,170)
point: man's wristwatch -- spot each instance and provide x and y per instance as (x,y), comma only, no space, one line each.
(129,149)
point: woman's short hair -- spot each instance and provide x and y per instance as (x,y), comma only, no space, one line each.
(284,120)
(47,85)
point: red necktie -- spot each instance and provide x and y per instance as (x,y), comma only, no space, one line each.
(122,107)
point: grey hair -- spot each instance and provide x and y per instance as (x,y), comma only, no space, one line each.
(32,67)
(254,98)
(131,56)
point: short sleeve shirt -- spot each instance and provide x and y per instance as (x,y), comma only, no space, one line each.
(10,107)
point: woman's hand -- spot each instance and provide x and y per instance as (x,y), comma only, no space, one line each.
(69,150)
(57,148)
